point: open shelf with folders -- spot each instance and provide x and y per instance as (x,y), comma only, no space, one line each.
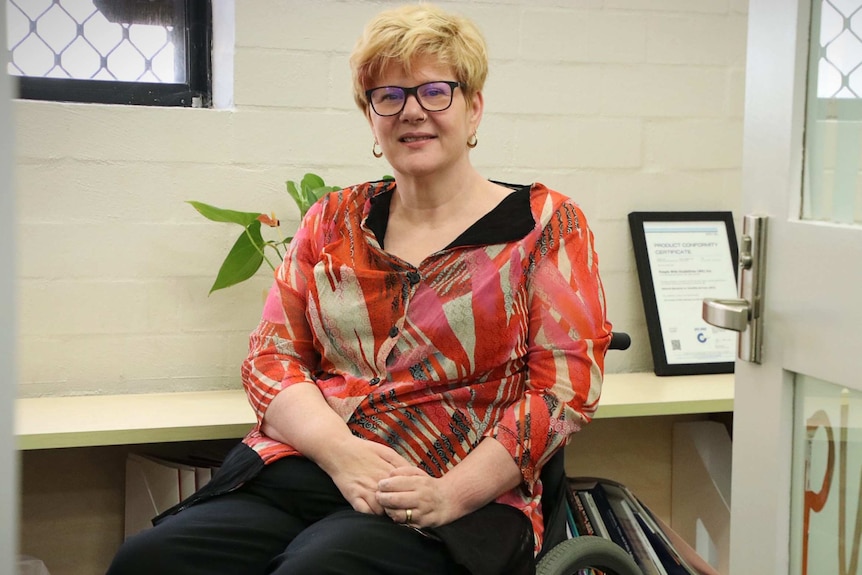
(604,508)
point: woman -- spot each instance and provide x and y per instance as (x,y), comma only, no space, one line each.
(428,344)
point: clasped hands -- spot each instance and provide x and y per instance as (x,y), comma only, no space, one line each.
(375,479)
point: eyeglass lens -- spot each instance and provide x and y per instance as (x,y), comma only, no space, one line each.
(390,100)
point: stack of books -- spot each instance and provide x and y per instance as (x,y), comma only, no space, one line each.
(605,508)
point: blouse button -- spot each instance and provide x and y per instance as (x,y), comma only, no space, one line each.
(393,332)
(374,381)
(413,277)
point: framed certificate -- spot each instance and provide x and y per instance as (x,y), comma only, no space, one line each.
(682,258)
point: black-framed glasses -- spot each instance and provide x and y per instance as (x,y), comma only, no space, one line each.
(432,96)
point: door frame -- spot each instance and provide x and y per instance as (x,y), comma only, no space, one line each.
(768,140)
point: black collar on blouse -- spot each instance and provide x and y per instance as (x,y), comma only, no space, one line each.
(509,221)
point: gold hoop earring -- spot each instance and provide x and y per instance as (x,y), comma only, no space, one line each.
(473,141)
(375,150)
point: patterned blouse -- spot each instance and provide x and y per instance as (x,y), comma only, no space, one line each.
(501,334)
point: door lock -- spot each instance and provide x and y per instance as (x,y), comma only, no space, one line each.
(744,314)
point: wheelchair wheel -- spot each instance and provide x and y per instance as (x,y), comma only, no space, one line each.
(584,552)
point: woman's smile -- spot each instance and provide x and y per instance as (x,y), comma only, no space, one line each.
(416,137)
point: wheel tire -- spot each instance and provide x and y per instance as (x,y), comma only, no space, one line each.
(584,552)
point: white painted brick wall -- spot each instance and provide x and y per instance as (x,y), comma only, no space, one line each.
(701,39)
(623,104)
(691,144)
(596,36)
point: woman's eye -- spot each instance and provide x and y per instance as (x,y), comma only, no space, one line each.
(389,96)
(432,91)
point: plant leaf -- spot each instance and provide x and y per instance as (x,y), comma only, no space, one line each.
(311,189)
(309,185)
(243,260)
(311,182)
(294,193)
(318,192)
(221,215)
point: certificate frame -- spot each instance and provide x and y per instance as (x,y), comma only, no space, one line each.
(681,258)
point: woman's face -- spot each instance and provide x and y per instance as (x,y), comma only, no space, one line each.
(417,142)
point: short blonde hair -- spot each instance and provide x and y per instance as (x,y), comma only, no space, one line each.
(401,35)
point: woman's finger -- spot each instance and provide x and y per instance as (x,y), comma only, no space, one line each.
(407,472)
(405,516)
(408,481)
(395,500)
(361,505)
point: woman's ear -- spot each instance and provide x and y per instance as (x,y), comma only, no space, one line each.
(477,107)
(370,122)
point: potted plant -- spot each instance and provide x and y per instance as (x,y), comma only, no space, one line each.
(249,251)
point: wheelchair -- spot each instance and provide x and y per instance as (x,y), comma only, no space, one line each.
(561,555)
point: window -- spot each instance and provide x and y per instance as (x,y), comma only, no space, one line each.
(147,52)
(832,187)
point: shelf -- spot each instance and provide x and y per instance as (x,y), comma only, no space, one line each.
(79,421)
(636,394)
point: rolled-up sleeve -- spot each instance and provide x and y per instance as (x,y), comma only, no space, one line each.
(568,337)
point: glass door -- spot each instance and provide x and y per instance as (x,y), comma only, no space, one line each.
(797,457)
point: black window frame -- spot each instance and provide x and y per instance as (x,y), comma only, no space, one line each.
(195,92)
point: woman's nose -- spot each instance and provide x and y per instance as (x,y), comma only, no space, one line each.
(412,109)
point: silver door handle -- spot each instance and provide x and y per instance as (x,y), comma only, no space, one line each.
(727,313)
(743,314)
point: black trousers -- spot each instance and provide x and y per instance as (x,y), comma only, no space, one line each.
(290,518)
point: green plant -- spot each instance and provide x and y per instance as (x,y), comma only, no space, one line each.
(249,251)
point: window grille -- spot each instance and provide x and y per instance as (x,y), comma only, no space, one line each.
(839,66)
(832,186)
(150,52)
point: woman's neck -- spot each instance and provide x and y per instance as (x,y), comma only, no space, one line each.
(424,219)
(434,199)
